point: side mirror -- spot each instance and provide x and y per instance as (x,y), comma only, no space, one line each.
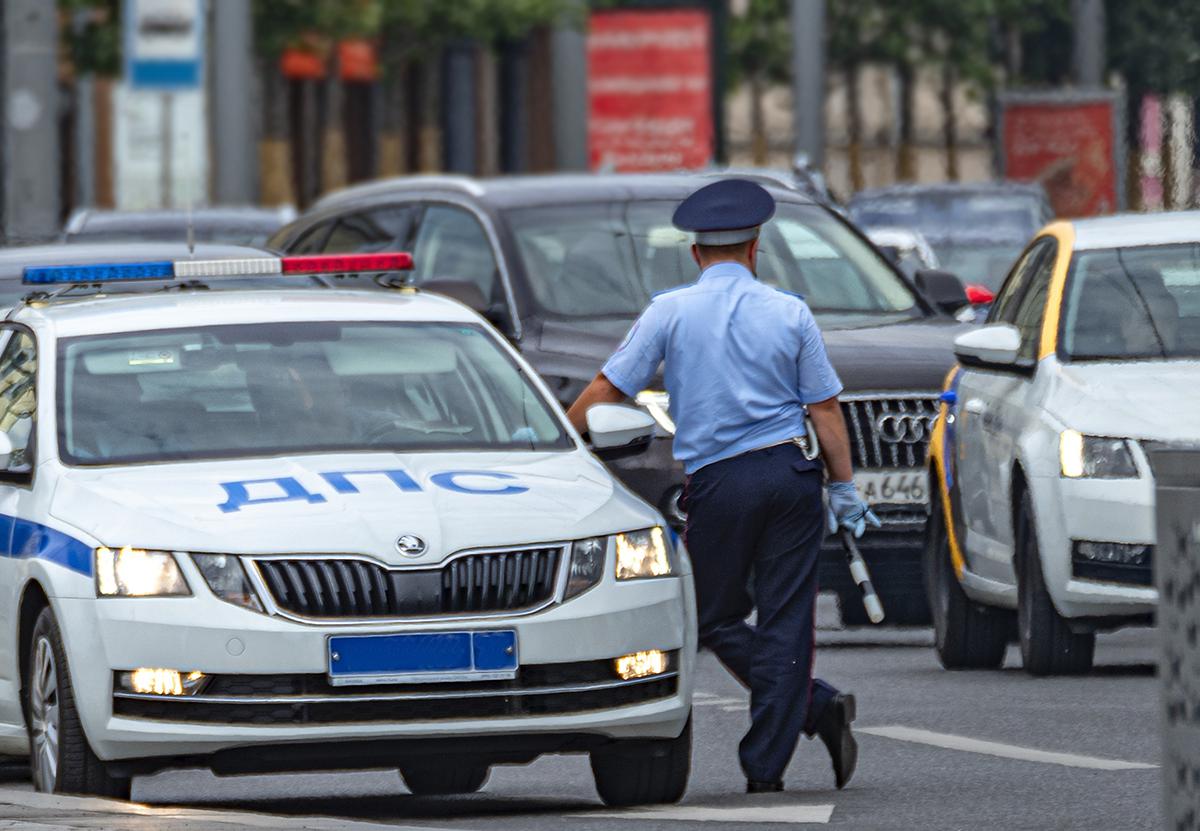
(943,288)
(892,252)
(6,450)
(619,431)
(464,291)
(995,346)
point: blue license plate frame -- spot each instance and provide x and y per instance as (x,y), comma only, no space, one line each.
(422,657)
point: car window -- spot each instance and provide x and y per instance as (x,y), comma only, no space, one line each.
(452,245)
(18,395)
(313,240)
(1005,307)
(297,387)
(1031,309)
(383,229)
(1131,303)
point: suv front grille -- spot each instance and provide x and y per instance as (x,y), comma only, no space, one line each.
(890,431)
(502,581)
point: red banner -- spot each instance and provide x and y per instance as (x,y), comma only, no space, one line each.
(650,90)
(1067,146)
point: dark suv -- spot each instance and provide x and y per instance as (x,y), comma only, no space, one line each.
(564,264)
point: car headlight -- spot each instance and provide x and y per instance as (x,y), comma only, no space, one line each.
(1083,456)
(135,572)
(658,404)
(587,565)
(227,578)
(643,554)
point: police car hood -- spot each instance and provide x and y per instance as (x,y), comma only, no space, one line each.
(360,503)
(1154,400)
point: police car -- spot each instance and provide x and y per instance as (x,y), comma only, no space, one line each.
(308,529)
(1091,350)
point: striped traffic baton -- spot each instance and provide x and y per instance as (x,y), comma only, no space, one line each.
(858,570)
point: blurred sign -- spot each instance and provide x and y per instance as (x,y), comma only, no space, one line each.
(650,89)
(164,44)
(1068,142)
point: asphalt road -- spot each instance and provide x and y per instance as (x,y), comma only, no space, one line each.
(938,751)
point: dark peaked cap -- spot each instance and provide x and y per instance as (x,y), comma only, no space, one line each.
(726,212)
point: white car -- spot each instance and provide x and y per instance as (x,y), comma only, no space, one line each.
(306,529)
(1091,350)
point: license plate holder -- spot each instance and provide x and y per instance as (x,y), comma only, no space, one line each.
(422,657)
(892,486)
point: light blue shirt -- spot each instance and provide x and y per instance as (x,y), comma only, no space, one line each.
(741,361)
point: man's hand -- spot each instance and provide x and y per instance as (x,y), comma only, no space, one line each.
(599,391)
(847,510)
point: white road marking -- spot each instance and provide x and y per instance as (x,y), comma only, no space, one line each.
(783,813)
(949,741)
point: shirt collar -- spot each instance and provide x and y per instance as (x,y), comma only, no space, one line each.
(726,270)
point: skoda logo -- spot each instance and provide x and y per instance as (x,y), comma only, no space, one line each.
(903,428)
(410,545)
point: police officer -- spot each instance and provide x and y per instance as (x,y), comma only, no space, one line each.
(742,362)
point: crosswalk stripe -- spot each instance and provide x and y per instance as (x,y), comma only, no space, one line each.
(782,813)
(949,741)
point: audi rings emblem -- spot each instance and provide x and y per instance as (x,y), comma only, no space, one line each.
(410,545)
(903,428)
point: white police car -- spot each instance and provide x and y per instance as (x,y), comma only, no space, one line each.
(278,529)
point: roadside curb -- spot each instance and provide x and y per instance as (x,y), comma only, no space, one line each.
(22,808)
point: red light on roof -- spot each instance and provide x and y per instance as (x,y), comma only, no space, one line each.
(347,263)
(979,295)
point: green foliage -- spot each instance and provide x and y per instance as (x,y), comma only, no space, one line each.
(760,42)
(92,35)
(1155,46)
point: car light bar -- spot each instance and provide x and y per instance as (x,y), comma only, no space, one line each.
(200,269)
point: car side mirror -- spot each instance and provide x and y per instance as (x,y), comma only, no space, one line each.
(618,431)
(995,346)
(892,252)
(943,288)
(464,291)
(6,450)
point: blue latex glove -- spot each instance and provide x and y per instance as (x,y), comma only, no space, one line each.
(847,511)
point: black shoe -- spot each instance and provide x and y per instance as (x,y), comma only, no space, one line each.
(753,786)
(834,730)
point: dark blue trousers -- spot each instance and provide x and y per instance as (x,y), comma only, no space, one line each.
(761,513)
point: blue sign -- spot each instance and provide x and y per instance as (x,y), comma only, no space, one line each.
(164,44)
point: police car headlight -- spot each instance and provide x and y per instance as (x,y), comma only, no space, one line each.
(658,404)
(135,572)
(1083,456)
(587,565)
(227,578)
(645,553)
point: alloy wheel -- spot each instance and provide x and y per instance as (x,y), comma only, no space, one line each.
(44,721)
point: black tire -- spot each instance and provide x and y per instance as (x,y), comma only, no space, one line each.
(76,769)
(966,634)
(644,771)
(1048,646)
(438,778)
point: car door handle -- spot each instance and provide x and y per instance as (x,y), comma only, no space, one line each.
(974,405)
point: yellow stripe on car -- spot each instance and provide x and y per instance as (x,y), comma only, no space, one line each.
(938,468)
(1064,232)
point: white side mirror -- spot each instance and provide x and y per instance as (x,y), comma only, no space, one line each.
(995,345)
(618,430)
(6,449)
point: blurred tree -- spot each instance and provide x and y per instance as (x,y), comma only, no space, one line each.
(760,48)
(92,36)
(853,32)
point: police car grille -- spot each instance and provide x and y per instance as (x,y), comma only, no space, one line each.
(889,431)
(499,581)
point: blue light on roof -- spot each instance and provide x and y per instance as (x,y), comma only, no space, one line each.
(45,275)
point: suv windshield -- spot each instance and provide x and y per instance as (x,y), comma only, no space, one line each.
(1128,303)
(608,258)
(288,388)
(938,215)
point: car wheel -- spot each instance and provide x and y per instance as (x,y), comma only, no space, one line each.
(1048,646)
(441,778)
(644,771)
(61,760)
(966,634)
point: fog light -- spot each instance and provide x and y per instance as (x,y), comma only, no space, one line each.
(147,681)
(1113,552)
(641,664)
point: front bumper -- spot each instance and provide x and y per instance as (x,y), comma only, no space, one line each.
(205,634)
(1098,510)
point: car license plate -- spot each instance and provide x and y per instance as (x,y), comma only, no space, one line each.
(892,487)
(422,657)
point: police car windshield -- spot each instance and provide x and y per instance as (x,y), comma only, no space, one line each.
(609,258)
(289,388)
(1134,303)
